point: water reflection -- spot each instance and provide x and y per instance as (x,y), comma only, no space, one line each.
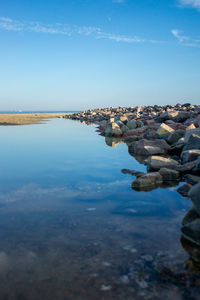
(71,227)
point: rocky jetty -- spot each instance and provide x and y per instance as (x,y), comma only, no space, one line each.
(164,138)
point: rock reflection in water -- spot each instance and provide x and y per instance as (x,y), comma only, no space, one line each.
(112,142)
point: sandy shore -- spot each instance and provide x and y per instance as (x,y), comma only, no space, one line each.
(26,118)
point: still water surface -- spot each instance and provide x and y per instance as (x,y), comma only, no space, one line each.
(71,227)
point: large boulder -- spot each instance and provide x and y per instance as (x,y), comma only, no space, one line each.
(197,166)
(135,132)
(164,130)
(149,147)
(193,142)
(187,168)
(175,136)
(132,124)
(158,162)
(192,179)
(113,129)
(153,179)
(188,133)
(189,155)
(194,194)
(169,174)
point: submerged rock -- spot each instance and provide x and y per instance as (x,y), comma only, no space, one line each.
(147,180)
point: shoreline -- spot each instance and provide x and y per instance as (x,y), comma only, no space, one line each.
(166,139)
(14,119)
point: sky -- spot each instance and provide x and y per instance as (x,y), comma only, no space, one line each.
(84,54)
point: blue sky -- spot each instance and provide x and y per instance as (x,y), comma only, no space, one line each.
(79,54)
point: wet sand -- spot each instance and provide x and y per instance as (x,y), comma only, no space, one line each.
(27,118)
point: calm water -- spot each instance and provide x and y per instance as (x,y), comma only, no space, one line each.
(71,227)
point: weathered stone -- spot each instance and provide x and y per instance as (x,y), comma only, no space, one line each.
(189,155)
(184,189)
(188,167)
(193,142)
(158,162)
(197,166)
(149,147)
(139,123)
(113,129)
(164,130)
(169,174)
(191,126)
(124,129)
(149,179)
(175,136)
(192,179)
(135,132)
(131,124)
(194,194)
(188,133)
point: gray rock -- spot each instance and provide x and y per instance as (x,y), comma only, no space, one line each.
(147,180)
(149,147)
(164,130)
(124,128)
(132,124)
(175,136)
(169,174)
(193,142)
(186,168)
(113,129)
(190,132)
(189,155)
(192,179)
(139,123)
(197,166)
(158,162)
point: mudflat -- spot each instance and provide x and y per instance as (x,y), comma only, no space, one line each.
(27,118)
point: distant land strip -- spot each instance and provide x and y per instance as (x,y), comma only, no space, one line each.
(27,118)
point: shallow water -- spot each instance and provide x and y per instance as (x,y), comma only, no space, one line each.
(72,228)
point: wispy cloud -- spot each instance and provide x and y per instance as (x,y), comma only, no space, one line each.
(65,29)
(95,32)
(178,34)
(185,40)
(190,3)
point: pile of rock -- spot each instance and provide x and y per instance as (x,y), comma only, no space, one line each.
(165,138)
